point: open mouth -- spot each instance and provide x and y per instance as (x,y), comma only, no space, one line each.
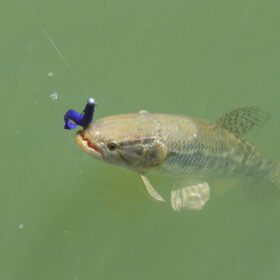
(87,145)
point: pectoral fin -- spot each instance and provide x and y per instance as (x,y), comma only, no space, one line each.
(189,196)
(151,190)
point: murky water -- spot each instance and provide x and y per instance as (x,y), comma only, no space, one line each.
(64,215)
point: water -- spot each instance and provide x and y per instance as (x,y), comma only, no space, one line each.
(64,215)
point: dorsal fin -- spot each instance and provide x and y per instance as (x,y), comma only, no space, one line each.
(241,120)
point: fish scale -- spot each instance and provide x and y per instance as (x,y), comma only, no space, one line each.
(206,147)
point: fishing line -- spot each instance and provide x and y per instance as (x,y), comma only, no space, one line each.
(54,45)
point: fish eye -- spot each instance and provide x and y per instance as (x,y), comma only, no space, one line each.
(112,146)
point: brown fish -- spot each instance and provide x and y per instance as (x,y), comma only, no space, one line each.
(183,147)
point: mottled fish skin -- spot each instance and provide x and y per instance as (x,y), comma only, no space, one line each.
(170,144)
(199,147)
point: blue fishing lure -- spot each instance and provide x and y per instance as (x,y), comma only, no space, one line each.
(72,118)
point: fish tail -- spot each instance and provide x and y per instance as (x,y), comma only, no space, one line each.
(274,175)
(265,183)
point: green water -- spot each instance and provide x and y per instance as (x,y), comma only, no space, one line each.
(64,215)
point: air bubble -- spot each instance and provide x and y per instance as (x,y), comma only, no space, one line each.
(54,96)
(21,226)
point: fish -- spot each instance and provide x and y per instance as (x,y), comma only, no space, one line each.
(189,148)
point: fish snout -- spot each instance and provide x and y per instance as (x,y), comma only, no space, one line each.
(89,146)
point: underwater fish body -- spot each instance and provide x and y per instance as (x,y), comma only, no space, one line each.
(179,145)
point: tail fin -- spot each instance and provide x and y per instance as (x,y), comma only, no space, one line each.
(274,175)
(266,184)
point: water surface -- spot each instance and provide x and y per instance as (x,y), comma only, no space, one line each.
(64,215)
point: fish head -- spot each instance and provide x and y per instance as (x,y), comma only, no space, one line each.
(128,140)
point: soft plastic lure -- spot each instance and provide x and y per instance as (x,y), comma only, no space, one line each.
(72,118)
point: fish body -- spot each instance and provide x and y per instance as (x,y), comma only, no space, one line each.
(174,145)
(178,145)
(200,147)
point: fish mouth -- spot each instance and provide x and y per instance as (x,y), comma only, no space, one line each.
(88,146)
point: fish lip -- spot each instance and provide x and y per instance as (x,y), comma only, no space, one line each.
(88,146)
